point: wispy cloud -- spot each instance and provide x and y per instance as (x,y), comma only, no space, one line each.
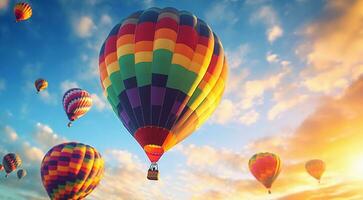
(333,48)
(67,84)
(268,16)
(84,26)
(99,102)
(4,4)
(221,12)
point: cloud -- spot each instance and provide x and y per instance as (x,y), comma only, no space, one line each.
(67,84)
(106,19)
(46,137)
(236,57)
(221,12)
(271,58)
(285,98)
(84,26)
(333,48)
(4,4)
(10,133)
(249,117)
(254,90)
(98,102)
(48,97)
(268,16)
(2,85)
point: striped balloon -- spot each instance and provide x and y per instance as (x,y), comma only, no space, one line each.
(265,167)
(71,171)
(163,72)
(41,84)
(22,11)
(315,168)
(76,103)
(11,162)
(21,173)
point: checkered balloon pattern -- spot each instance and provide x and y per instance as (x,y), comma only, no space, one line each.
(163,72)
(71,171)
(76,103)
(11,162)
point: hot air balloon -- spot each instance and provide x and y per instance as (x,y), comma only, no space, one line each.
(315,168)
(163,71)
(21,173)
(22,11)
(265,167)
(76,103)
(11,162)
(71,171)
(41,84)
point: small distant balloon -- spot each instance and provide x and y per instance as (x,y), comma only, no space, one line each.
(76,103)
(315,168)
(41,84)
(71,171)
(11,162)
(21,173)
(265,167)
(22,11)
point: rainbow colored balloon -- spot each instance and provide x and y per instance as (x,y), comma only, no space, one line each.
(76,103)
(40,84)
(265,167)
(163,72)
(11,162)
(71,171)
(22,11)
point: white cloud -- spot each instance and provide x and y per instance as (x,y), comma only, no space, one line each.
(98,102)
(10,133)
(67,84)
(271,58)
(84,26)
(106,19)
(4,4)
(274,32)
(46,137)
(268,16)
(221,12)
(249,117)
(48,97)
(284,104)
(254,90)
(236,57)
(224,113)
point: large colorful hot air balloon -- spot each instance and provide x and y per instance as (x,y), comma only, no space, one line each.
(21,173)
(41,84)
(265,167)
(11,162)
(76,103)
(22,11)
(71,171)
(163,72)
(315,168)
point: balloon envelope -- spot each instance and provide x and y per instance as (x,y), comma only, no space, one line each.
(21,173)
(76,103)
(71,171)
(11,162)
(163,72)
(315,168)
(41,84)
(22,11)
(265,167)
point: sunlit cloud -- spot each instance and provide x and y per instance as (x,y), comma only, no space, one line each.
(84,26)
(67,84)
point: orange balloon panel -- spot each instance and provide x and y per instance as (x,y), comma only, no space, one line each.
(315,168)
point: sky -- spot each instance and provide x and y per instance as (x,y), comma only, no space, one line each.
(294,88)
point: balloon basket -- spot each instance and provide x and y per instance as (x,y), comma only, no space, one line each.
(153,172)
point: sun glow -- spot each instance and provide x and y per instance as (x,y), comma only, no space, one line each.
(356,169)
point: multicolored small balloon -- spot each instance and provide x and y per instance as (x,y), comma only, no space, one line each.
(11,162)
(21,173)
(76,103)
(265,167)
(315,168)
(40,84)
(71,171)
(22,11)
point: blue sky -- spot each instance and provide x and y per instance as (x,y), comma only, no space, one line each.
(275,82)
